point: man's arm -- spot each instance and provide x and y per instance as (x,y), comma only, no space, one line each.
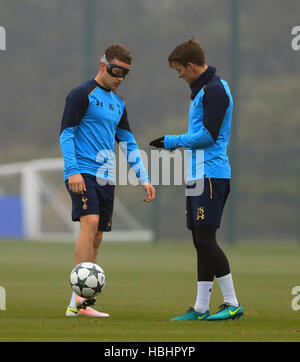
(126,137)
(215,103)
(128,144)
(68,150)
(202,138)
(75,108)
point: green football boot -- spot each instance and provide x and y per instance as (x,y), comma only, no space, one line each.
(226,312)
(192,315)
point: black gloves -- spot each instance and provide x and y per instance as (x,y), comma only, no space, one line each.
(158,143)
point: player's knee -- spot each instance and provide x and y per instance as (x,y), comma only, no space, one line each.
(202,245)
(204,238)
(90,222)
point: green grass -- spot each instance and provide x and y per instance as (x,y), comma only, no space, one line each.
(147,285)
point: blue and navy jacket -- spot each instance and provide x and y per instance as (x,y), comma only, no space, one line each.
(209,128)
(93,119)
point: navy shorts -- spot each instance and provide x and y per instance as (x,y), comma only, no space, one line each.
(207,208)
(97,199)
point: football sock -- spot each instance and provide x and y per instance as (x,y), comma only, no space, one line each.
(227,288)
(203,296)
(73,301)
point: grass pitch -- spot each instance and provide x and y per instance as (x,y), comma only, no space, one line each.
(147,284)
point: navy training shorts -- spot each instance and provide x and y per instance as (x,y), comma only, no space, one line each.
(207,208)
(97,199)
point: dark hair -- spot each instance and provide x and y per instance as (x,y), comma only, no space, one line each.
(119,52)
(188,52)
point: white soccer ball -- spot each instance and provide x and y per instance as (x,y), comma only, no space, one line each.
(87,279)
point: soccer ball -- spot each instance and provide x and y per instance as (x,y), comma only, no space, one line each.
(87,279)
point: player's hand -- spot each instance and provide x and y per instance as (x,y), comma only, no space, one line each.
(77,184)
(158,143)
(150,190)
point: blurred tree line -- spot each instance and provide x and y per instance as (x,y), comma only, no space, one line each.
(45,59)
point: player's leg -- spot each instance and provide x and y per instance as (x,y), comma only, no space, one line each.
(84,252)
(211,261)
(204,214)
(205,277)
(230,308)
(92,233)
(96,245)
(205,272)
(207,246)
(84,248)
(87,246)
(85,208)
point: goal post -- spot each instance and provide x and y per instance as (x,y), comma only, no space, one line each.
(46,206)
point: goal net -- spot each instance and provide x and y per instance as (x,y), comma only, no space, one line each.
(35,204)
